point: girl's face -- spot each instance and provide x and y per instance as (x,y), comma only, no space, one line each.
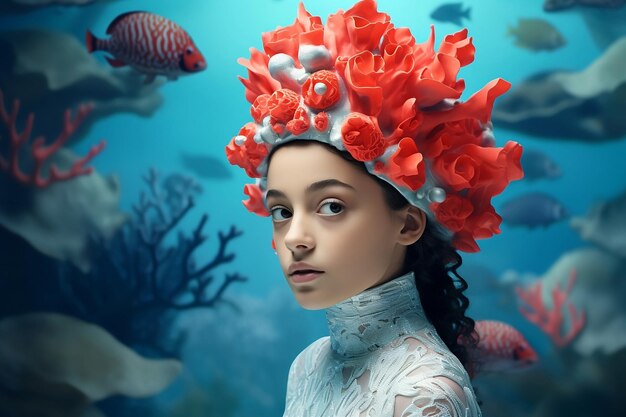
(332,216)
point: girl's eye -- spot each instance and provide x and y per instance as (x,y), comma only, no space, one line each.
(334,207)
(277,212)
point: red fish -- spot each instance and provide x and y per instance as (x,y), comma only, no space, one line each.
(149,43)
(501,348)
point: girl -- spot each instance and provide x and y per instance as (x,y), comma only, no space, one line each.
(374,175)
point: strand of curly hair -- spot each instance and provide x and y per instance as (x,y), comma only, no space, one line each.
(433,259)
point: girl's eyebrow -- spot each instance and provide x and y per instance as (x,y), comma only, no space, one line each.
(316,186)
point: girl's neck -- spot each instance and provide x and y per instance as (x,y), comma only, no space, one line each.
(375,317)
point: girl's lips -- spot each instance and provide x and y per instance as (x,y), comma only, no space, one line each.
(309,276)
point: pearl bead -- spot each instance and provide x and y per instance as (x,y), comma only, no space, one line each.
(240,140)
(320,88)
(437,195)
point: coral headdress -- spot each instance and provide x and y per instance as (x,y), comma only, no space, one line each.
(364,86)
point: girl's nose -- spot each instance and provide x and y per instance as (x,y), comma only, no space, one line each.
(299,237)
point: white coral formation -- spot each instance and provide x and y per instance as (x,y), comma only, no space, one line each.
(604,75)
(62,217)
(38,73)
(43,353)
(585,105)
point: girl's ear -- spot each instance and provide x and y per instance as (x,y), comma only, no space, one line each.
(414,225)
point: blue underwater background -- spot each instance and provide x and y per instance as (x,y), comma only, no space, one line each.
(235,352)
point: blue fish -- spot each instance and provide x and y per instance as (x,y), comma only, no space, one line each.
(451,12)
(533,210)
(206,166)
(538,165)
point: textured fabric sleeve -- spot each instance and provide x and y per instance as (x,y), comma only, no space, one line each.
(438,397)
(294,371)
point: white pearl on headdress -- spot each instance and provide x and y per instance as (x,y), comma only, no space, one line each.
(488,139)
(282,68)
(437,195)
(420,194)
(240,140)
(314,57)
(320,88)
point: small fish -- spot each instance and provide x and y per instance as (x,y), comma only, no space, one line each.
(536,35)
(451,12)
(538,165)
(533,210)
(149,43)
(206,166)
(501,348)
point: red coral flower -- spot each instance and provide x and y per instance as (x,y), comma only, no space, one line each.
(362,137)
(452,135)
(282,104)
(250,154)
(321,121)
(300,122)
(259,79)
(472,166)
(397,36)
(406,166)
(306,29)
(359,28)
(465,242)
(255,202)
(485,222)
(361,73)
(470,218)
(328,97)
(453,212)
(259,108)
(410,118)
(460,46)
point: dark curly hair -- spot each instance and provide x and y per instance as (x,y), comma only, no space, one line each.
(432,258)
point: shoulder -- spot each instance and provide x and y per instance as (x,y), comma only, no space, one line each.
(303,365)
(440,396)
(431,357)
(436,381)
(309,356)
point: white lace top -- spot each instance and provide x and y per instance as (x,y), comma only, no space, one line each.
(383,358)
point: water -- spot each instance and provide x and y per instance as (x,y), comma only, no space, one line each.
(202,112)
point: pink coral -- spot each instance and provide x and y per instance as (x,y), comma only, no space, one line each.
(41,152)
(551,321)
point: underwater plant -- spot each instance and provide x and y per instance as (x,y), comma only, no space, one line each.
(551,320)
(139,283)
(140,279)
(40,152)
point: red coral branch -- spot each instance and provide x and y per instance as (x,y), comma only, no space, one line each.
(551,321)
(39,151)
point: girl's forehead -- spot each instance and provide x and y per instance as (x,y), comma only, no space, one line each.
(309,158)
(302,172)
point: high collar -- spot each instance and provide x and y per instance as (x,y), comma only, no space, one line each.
(375,317)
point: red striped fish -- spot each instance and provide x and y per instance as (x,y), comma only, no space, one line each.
(501,348)
(149,43)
